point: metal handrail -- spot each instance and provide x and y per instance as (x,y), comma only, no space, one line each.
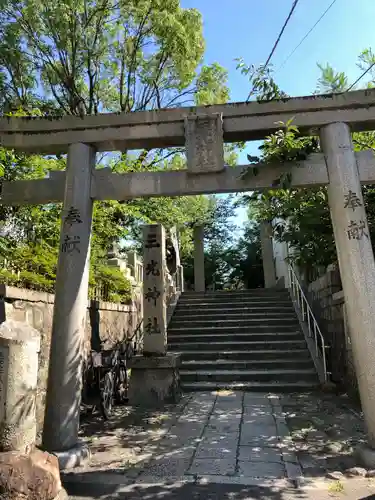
(306,311)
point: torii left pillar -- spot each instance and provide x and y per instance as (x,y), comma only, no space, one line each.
(61,422)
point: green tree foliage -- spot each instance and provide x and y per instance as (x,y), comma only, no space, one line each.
(87,57)
(230,262)
(305,218)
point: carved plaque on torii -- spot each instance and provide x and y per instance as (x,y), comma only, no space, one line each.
(204,143)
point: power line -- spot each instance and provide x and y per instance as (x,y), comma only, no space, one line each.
(360,78)
(307,34)
(281,32)
(277,40)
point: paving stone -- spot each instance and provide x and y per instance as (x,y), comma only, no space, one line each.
(225,418)
(289,456)
(194,418)
(222,428)
(222,431)
(261,440)
(282,428)
(221,452)
(264,420)
(261,469)
(230,396)
(276,485)
(167,467)
(293,471)
(219,442)
(227,408)
(204,396)
(209,466)
(149,480)
(258,430)
(186,431)
(258,454)
(162,444)
(171,441)
(168,452)
(255,411)
(311,465)
(236,412)
(251,399)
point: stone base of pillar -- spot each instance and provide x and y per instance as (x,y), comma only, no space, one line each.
(74,457)
(154,380)
(366,456)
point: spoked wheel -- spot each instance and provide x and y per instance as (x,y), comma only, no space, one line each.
(122,386)
(106,400)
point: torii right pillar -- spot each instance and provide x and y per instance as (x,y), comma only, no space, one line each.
(357,266)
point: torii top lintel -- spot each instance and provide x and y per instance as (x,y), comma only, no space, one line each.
(165,128)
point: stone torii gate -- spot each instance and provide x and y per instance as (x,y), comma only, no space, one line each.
(203,130)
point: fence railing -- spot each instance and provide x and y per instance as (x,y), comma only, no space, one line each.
(313,330)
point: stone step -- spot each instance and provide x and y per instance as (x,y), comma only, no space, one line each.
(307,375)
(296,386)
(230,306)
(259,292)
(247,364)
(212,322)
(233,309)
(233,300)
(233,355)
(240,315)
(223,328)
(232,337)
(245,340)
(230,345)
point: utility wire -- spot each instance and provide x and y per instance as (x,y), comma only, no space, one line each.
(307,34)
(360,78)
(277,40)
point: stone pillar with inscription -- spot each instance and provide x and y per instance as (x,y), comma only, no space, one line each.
(61,423)
(154,296)
(199,274)
(269,269)
(155,374)
(19,348)
(357,266)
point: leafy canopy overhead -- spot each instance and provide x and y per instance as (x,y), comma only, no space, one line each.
(303,215)
(87,57)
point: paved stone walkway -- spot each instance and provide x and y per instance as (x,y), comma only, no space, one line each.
(273,442)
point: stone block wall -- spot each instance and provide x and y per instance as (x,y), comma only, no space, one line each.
(327,301)
(105,322)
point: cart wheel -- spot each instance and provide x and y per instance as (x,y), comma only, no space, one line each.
(106,399)
(122,386)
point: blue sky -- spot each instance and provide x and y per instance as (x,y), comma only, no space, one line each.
(248,29)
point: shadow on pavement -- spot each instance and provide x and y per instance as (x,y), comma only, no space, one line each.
(169,490)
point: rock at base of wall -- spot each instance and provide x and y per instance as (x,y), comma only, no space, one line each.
(34,477)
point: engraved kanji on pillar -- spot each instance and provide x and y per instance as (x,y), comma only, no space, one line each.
(204,143)
(154,300)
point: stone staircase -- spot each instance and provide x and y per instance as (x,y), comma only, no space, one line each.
(249,340)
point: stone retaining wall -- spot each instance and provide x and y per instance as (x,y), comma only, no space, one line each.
(327,300)
(105,322)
